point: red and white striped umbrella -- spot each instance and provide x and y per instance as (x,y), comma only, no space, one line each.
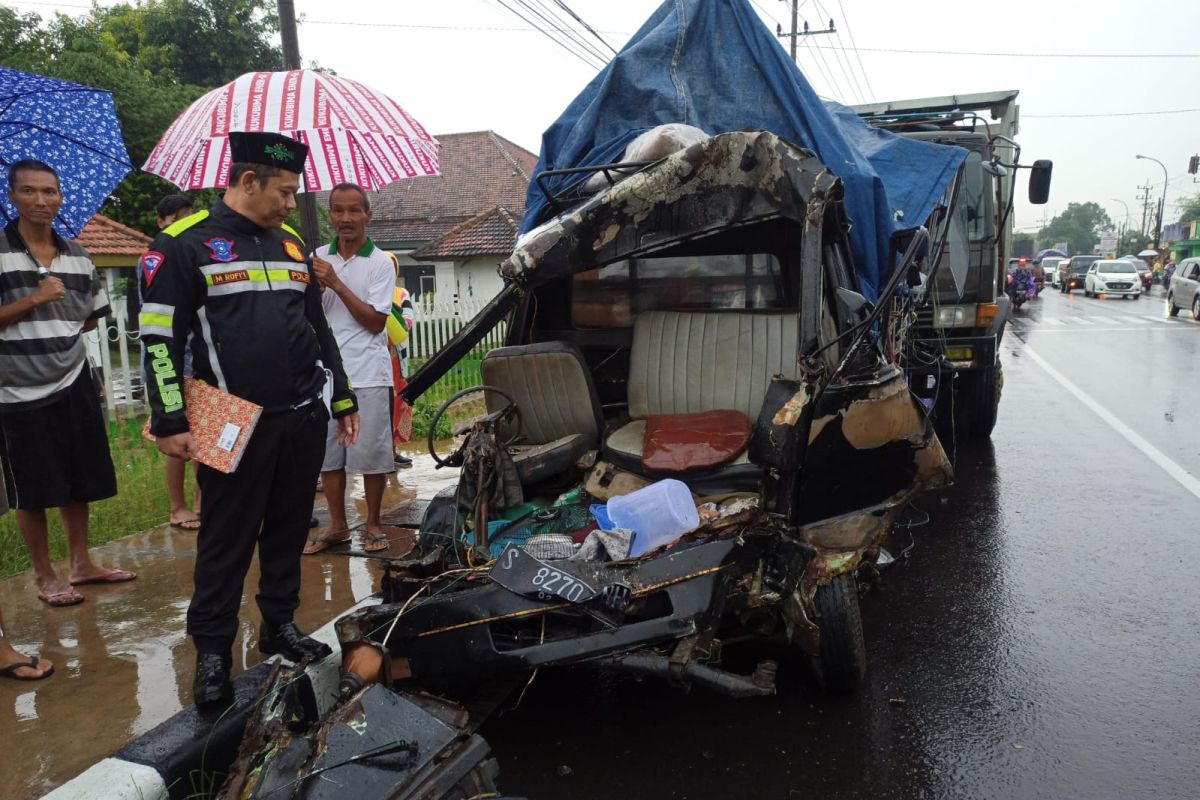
(354,133)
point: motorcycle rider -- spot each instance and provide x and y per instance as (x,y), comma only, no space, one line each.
(1019,278)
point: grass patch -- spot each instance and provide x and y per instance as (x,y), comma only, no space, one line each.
(141,502)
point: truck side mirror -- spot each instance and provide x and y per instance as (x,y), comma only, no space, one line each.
(1039,181)
(852,301)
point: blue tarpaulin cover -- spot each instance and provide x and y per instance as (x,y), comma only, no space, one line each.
(714,65)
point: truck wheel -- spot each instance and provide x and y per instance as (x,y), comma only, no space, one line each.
(976,402)
(842,664)
(1172,311)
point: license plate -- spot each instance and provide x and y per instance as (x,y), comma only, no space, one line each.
(527,576)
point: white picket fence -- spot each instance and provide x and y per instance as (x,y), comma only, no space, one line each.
(434,324)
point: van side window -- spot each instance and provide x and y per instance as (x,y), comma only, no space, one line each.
(611,296)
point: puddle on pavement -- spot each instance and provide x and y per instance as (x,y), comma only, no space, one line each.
(122,661)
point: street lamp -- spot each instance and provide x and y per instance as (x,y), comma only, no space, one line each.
(1162,204)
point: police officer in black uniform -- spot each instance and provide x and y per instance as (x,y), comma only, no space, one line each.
(236,286)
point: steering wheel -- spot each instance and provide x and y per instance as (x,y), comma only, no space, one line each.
(509,412)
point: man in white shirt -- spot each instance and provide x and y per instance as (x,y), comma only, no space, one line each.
(357,281)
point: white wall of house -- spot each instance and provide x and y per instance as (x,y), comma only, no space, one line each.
(478,279)
(475,279)
(444,274)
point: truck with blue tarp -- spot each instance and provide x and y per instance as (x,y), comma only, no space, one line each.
(953,357)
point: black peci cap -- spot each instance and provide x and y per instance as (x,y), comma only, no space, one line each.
(269,149)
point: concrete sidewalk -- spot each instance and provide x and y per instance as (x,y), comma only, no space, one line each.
(122,661)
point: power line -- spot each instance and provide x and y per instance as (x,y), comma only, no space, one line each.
(545,13)
(854,47)
(770,16)
(579,19)
(547,34)
(1113,114)
(555,20)
(826,71)
(840,58)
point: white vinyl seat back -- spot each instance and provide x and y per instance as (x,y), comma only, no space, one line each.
(683,362)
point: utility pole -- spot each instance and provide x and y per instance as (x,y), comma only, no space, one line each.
(1145,198)
(306,201)
(795,34)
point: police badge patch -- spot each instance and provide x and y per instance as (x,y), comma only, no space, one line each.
(149,263)
(293,250)
(221,250)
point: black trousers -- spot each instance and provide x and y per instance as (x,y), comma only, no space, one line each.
(267,501)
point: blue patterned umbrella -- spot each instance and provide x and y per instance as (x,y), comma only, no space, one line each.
(72,128)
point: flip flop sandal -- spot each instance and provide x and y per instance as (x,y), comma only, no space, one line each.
(374,543)
(191,525)
(318,545)
(53,599)
(10,671)
(111,576)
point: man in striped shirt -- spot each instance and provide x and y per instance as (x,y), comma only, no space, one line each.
(52,433)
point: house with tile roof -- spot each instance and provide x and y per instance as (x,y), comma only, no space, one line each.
(111,244)
(467,255)
(451,231)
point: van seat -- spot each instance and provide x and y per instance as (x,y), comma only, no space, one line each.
(686,362)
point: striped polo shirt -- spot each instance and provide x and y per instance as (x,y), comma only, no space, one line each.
(43,353)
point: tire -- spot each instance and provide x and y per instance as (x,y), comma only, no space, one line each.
(1196,307)
(1137,297)
(842,665)
(1172,309)
(971,413)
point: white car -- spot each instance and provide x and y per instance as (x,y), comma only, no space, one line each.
(1050,268)
(1112,278)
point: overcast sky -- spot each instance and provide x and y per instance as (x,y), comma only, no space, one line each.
(463,65)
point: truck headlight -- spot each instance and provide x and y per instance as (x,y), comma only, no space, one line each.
(954,317)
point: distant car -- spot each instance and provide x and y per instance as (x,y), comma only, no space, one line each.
(1144,271)
(1071,272)
(1050,267)
(1184,291)
(1112,278)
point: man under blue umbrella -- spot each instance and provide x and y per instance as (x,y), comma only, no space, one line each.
(52,430)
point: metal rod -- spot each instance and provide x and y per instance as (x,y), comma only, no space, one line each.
(306,201)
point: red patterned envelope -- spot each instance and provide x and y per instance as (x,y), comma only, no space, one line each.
(221,424)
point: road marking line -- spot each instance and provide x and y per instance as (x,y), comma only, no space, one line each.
(1181,475)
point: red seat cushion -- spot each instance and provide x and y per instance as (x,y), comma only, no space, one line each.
(683,442)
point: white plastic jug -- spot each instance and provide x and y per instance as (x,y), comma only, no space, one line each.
(658,514)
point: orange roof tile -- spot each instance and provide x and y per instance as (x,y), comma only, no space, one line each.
(480,170)
(494,232)
(103,236)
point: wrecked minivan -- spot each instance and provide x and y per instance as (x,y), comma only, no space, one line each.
(698,321)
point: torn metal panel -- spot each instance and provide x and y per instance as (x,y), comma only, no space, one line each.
(376,745)
(727,181)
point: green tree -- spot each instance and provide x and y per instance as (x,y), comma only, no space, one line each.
(156,57)
(1189,208)
(1132,243)
(198,42)
(22,39)
(1079,226)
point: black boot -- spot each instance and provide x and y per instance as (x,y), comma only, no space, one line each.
(212,679)
(290,642)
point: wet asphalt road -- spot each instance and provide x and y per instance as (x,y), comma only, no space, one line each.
(1041,641)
